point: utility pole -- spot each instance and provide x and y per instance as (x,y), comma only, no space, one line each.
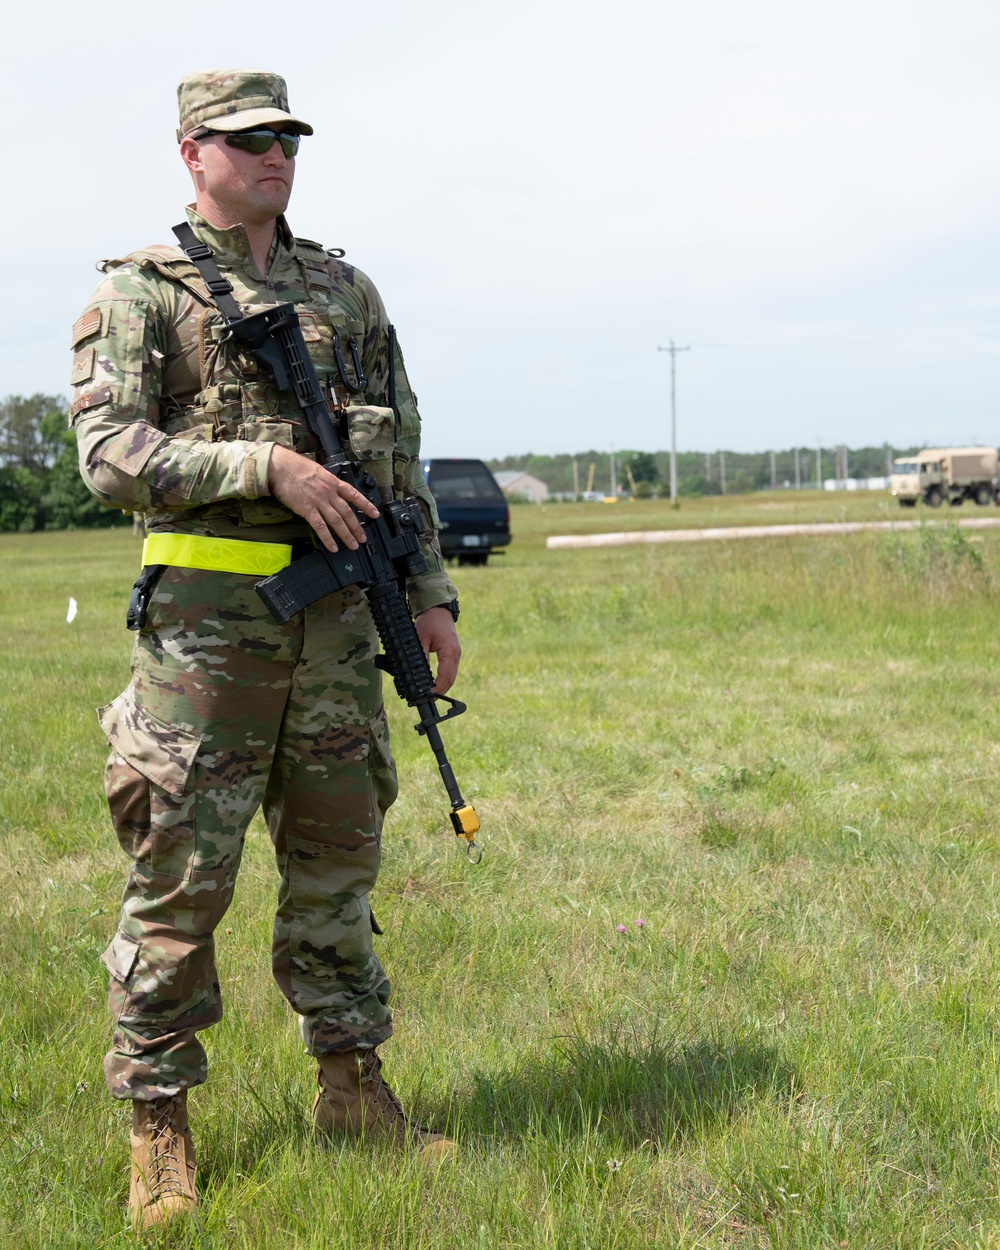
(798,475)
(673,349)
(614,483)
(708,466)
(576,479)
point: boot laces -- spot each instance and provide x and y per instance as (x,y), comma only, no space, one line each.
(167,1179)
(385,1101)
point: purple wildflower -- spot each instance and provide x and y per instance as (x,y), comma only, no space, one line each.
(619,928)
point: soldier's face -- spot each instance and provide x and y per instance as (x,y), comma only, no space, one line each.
(247,188)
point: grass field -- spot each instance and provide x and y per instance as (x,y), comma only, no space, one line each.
(781,757)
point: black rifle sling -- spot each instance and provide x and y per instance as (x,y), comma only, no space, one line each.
(200,255)
(391,331)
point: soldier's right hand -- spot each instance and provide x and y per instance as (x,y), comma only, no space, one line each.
(311,492)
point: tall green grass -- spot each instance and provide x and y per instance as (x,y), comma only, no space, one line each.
(781,757)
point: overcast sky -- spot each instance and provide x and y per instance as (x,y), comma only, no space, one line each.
(546,192)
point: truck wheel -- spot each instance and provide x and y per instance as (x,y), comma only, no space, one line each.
(956,501)
(983,496)
(933,498)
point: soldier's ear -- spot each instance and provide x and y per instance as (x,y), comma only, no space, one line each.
(191,156)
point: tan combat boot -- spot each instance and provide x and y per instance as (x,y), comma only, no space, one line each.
(163,1164)
(354,1098)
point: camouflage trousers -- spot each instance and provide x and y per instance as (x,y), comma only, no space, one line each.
(228,711)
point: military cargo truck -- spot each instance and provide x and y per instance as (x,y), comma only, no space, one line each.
(939,473)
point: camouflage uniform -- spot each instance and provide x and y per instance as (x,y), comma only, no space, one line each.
(227,710)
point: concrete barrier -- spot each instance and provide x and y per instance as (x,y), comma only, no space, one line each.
(751,531)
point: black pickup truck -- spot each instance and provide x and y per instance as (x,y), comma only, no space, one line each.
(475,519)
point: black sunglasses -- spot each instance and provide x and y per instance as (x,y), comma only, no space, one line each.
(259,141)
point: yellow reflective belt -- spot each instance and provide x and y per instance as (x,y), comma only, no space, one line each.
(220,555)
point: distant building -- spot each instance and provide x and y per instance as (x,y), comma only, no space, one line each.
(514,482)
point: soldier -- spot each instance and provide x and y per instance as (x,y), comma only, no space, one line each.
(226,710)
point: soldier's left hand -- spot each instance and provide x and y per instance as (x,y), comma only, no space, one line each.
(438,636)
(308,490)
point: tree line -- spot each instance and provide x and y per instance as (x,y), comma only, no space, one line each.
(40,484)
(698,472)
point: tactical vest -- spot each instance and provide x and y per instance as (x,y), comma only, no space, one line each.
(238,400)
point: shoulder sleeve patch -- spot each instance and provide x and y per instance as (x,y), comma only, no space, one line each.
(83,366)
(86,325)
(101,396)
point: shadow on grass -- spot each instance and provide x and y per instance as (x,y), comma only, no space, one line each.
(625,1087)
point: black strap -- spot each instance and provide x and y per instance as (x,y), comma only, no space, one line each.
(200,255)
(391,331)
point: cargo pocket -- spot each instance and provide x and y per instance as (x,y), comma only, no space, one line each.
(120,960)
(381,770)
(163,754)
(146,781)
(121,956)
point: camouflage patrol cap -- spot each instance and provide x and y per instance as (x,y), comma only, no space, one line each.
(234,99)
